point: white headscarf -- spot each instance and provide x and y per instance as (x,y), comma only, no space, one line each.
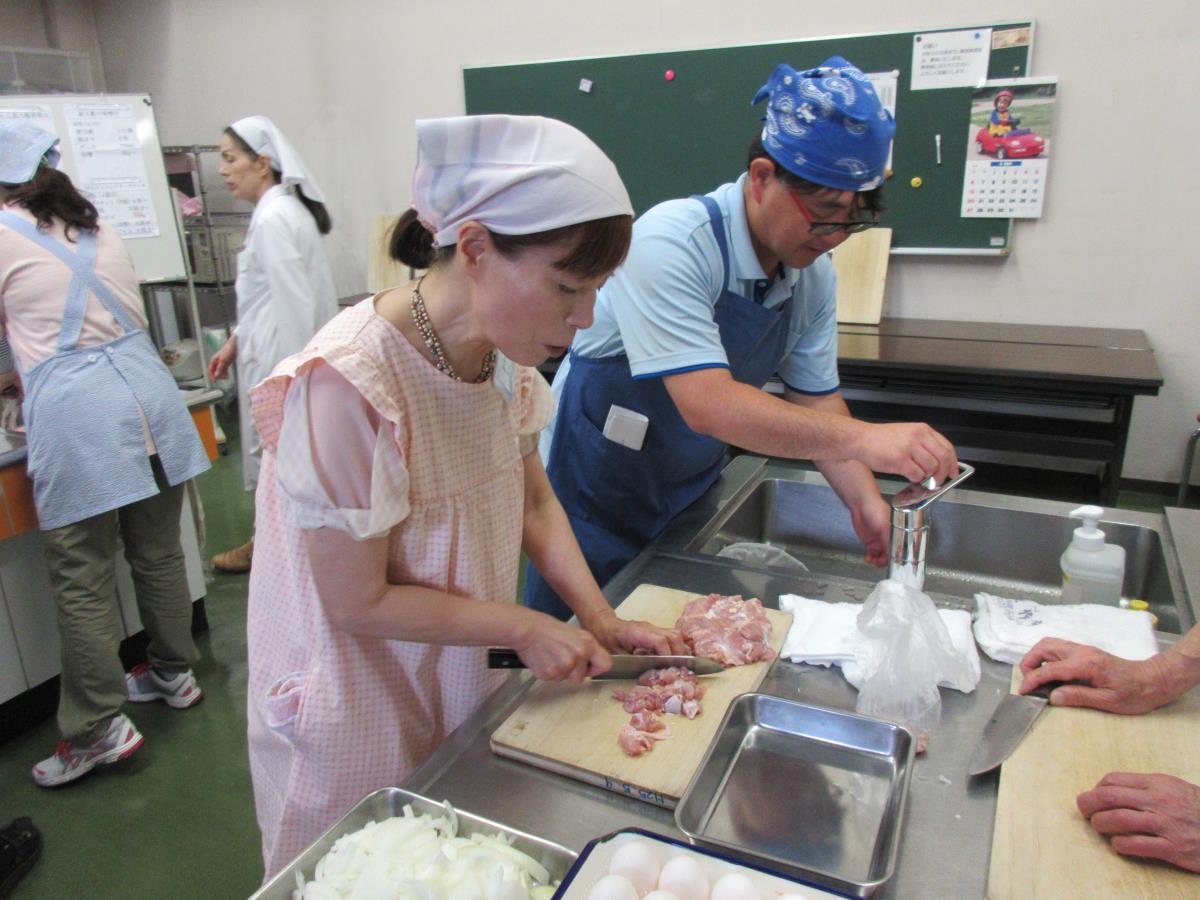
(23,147)
(513,174)
(267,140)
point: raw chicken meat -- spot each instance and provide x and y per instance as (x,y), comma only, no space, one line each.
(733,631)
(639,735)
(673,690)
(728,629)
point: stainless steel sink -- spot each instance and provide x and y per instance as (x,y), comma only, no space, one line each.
(979,542)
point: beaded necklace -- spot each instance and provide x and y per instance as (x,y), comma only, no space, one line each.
(425,328)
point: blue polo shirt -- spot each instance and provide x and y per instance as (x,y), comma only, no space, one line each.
(657,309)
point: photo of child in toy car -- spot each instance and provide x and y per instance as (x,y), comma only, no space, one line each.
(1005,135)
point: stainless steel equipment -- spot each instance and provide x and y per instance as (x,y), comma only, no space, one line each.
(1014,716)
(389,802)
(815,793)
(948,820)
(625,666)
(910,526)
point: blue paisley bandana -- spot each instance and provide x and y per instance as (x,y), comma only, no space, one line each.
(827,125)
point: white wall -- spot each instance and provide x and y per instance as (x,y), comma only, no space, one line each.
(346,80)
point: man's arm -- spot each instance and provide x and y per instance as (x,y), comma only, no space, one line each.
(712,403)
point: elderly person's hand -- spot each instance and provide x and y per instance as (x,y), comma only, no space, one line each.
(1156,816)
(1110,683)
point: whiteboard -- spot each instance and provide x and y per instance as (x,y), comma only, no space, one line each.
(111,151)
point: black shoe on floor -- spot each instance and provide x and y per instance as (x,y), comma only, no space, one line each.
(20,846)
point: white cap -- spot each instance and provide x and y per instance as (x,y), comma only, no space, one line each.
(513,174)
(24,147)
(1088,536)
(267,140)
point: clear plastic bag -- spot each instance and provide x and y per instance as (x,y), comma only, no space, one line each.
(762,555)
(911,651)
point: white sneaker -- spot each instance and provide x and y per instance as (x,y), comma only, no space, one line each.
(71,760)
(180,691)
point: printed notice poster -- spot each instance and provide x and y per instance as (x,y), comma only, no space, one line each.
(34,115)
(109,167)
(886,87)
(1011,129)
(944,59)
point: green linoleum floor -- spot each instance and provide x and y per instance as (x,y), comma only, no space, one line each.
(177,819)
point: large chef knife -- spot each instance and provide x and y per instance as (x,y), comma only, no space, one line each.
(623,667)
(1009,723)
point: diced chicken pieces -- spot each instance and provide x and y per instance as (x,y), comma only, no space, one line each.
(729,629)
(639,735)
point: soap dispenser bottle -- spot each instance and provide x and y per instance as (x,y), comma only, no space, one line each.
(1092,571)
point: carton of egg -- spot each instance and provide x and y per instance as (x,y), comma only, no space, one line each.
(640,866)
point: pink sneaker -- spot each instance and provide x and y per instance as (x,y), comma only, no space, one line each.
(179,691)
(71,760)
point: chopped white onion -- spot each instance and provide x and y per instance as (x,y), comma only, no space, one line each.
(420,857)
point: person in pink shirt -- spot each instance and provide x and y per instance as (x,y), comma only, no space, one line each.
(400,478)
(109,447)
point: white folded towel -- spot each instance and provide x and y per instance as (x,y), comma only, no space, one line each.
(826,634)
(1007,629)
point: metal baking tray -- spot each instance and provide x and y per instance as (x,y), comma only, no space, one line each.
(593,864)
(389,802)
(812,792)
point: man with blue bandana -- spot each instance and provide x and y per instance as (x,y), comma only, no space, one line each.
(718,294)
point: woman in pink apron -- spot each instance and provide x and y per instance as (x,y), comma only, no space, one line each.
(400,478)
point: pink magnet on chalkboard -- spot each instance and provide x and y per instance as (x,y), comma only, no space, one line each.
(669,75)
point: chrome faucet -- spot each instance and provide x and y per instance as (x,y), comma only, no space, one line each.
(910,526)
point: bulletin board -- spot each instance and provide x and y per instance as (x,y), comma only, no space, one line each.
(688,135)
(110,150)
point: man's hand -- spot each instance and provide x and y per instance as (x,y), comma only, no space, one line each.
(909,449)
(1156,816)
(1111,683)
(873,525)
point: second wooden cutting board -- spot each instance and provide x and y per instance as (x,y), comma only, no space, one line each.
(1043,847)
(572,729)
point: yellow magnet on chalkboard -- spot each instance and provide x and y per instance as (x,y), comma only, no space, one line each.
(916,182)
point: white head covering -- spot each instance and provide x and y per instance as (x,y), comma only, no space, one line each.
(267,140)
(513,174)
(23,146)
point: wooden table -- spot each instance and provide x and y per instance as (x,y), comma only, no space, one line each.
(1047,391)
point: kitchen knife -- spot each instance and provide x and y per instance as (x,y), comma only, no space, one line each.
(624,666)
(1014,716)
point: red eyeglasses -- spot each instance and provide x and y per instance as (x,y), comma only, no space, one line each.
(829,227)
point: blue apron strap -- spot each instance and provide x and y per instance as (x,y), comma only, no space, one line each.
(717,221)
(80,265)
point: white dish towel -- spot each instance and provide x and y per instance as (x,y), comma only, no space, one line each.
(1007,629)
(826,634)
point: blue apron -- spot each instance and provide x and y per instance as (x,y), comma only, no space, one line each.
(618,500)
(86,447)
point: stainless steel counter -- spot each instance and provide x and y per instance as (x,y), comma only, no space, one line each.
(948,823)
(946,841)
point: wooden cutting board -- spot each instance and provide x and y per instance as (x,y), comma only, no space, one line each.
(572,729)
(1043,847)
(861,262)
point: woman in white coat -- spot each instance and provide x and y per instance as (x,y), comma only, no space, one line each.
(285,289)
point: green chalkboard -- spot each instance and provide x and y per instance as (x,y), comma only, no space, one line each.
(687,135)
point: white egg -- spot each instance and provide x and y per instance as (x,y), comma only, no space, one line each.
(637,862)
(660,895)
(734,886)
(613,887)
(684,878)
